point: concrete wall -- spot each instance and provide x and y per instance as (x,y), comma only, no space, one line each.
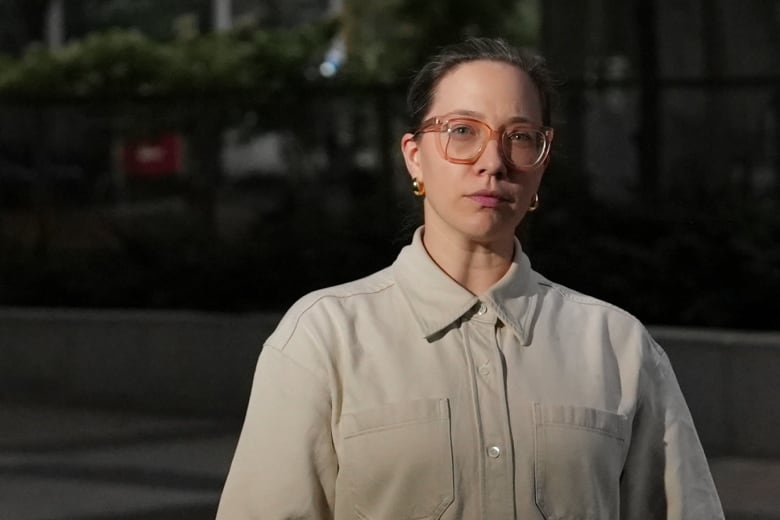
(731,381)
(199,363)
(155,361)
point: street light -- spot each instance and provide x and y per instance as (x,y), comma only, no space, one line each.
(55,24)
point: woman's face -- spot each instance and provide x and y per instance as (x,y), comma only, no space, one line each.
(485,201)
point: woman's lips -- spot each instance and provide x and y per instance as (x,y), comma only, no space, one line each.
(487,199)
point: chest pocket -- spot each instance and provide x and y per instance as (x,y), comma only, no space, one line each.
(578,458)
(398,460)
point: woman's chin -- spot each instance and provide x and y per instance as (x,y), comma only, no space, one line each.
(490,230)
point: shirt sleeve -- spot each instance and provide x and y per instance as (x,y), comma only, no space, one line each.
(666,475)
(285,464)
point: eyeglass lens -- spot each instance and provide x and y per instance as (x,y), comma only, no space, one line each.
(464,140)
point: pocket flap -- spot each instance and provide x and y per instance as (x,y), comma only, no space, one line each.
(393,415)
(608,423)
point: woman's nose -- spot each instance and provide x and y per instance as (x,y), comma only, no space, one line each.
(491,161)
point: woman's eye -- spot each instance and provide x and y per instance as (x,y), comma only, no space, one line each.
(462,130)
(521,136)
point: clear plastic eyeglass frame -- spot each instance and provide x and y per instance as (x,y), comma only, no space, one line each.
(446,126)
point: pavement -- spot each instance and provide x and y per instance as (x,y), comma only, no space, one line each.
(58,463)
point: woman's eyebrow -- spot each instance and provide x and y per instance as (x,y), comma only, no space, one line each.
(479,115)
(469,113)
(520,119)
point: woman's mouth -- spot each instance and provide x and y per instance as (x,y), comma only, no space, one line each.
(487,199)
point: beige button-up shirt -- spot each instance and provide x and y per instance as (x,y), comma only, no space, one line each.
(404,396)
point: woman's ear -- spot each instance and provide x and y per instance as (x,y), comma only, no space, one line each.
(411,151)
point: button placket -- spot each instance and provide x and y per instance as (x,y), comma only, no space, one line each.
(493,413)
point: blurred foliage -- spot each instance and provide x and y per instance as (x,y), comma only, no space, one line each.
(386,52)
(6,62)
(716,268)
(166,260)
(120,62)
(114,63)
(683,261)
(123,63)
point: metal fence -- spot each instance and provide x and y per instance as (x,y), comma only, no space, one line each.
(237,191)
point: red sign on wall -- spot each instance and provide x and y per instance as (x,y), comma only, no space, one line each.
(159,156)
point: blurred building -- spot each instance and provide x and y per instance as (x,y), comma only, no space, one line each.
(669,96)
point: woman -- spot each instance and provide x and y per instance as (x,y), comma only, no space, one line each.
(458,383)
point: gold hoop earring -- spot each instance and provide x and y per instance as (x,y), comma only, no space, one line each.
(418,188)
(534,203)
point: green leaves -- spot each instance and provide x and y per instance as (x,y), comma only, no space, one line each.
(388,39)
(125,63)
(104,65)
(385,41)
(209,62)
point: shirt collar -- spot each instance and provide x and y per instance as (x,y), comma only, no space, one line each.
(437,301)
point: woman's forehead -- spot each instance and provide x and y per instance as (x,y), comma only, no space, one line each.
(487,89)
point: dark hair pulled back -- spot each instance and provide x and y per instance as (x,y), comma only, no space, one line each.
(424,83)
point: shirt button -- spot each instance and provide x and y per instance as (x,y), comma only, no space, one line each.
(494,452)
(484,369)
(482,309)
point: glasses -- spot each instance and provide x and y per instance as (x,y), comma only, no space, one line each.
(462,140)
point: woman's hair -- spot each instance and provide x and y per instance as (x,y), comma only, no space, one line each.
(424,83)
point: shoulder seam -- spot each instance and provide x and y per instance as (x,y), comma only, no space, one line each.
(303,367)
(584,299)
(324,296)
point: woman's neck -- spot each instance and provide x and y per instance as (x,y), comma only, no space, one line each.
(474,265)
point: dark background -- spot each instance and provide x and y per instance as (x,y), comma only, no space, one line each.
(120,398)
(662,195)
